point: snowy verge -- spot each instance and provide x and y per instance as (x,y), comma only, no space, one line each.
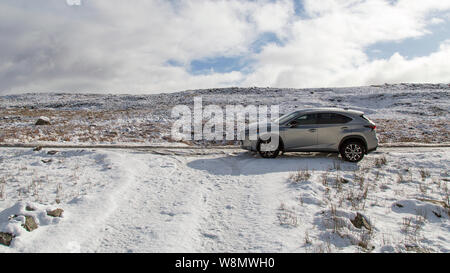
(136,201)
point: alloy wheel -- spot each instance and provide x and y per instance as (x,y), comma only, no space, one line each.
(353,152)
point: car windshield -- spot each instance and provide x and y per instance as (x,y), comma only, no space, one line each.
(284,118)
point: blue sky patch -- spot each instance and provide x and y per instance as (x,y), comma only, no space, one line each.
(299,8)
(220,65)
(412,47)
(172,62)
(264,39)
(223,64)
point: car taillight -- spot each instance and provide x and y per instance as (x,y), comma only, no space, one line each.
(373,127)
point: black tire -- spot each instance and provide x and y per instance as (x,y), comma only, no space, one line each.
(267,154)
(352,151)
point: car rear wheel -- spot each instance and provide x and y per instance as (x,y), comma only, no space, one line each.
(352,151)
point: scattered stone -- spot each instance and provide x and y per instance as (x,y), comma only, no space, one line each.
(418,249)
(38,148)
(399,205)
(344,180)
(12,217)
(55,213)
(438,215)
(29,208)
(6,238)
(43,121)
(30,223)
(46,160)
(361,221)
(365,245)
(52,152)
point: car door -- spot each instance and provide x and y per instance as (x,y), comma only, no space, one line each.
(330,127)
(300,133)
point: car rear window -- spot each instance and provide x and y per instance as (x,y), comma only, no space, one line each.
(332,118)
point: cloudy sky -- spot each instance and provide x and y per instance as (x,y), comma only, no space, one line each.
(154,46)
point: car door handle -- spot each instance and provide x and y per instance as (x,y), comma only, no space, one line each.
(312,130)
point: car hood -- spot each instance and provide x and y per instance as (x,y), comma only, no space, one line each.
(269,126)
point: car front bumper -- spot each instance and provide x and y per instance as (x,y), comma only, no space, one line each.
(248,145)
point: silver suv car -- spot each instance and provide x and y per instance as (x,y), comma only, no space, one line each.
(347,132)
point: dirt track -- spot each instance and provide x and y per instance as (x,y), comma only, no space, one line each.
(230,147)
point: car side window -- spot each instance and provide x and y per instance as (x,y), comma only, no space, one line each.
(306,119)
(332,118)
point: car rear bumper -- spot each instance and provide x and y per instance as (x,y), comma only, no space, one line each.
(372,149)
(372,142)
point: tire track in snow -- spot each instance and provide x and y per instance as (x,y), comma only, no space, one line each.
(238,216)
(157,213)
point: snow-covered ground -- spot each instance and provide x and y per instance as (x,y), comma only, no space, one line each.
(174,200)
(225,200)
(403,112)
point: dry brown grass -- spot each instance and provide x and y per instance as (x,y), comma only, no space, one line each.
(78,125)
(380,161)
(287,217)
(301,175)
(133,126)
(402,130)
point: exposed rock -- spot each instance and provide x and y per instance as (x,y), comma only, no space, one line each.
(6,238)
(418,249)
(12,217)
(366,245)
(52,152)
(438,215)
(55,213)
(46,160)
(29,208)
(344,180)
(361,221)
(38,148)
(43,121)
(30,224)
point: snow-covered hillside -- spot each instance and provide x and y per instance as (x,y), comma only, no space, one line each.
(403,112)
(139,201)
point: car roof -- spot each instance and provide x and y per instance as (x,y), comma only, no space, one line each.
(331,110)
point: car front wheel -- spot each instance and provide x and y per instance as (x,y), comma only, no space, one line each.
(352,151)
(270,153)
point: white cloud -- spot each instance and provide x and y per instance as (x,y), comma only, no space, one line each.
(328,49)
(429,69)
(274,17)
(436,21)
(118,46)
(124,46)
